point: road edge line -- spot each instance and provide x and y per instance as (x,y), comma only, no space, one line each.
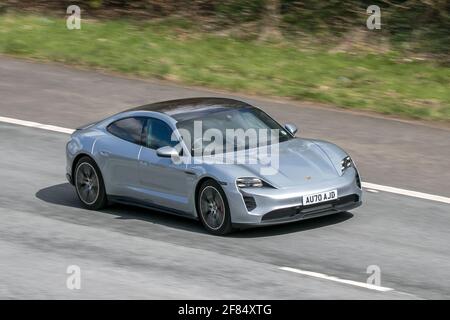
(36,125)
(410,193)
(336,279)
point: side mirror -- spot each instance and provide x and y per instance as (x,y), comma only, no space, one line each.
(291,128)
(167,152)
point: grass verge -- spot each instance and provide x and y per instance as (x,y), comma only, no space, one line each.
(175,49)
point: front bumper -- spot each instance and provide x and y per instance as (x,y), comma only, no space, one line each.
(267,206)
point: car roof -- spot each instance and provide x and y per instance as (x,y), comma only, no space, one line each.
(191,108)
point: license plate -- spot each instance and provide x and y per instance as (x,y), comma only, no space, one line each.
(310,199)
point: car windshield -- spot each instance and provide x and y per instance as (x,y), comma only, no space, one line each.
(231,130)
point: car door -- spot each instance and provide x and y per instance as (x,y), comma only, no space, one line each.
(119,151)
(163,182)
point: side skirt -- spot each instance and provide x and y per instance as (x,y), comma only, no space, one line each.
(148,205)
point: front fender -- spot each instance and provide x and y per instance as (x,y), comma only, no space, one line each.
(333,152)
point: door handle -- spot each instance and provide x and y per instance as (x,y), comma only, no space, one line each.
(144,163)
(105,153)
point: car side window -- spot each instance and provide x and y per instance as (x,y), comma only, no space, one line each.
(158,134)
(129,129)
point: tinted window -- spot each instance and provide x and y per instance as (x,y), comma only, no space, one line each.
(158,134)
(129,129)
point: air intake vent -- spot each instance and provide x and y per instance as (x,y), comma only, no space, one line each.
(358,180)
(250,203)
(313,209)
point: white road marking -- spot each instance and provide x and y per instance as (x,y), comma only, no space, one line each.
(336,279)
(366,185)
(36,125)
(404,192)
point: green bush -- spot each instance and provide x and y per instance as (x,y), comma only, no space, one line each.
(418,25)
(240,11)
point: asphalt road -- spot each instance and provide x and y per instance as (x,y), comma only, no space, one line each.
(126,252)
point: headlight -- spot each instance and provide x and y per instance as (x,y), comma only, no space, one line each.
(346,163)
(249,182)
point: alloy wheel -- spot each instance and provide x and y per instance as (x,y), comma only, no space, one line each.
(87,183)
(212,207)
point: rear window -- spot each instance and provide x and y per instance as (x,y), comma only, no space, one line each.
(129,129)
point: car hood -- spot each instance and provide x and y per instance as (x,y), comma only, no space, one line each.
(300,161)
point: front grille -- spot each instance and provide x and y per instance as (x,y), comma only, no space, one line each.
(282,213)
(307,210)
(250,203)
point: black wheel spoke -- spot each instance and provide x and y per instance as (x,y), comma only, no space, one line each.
(209,195)
(80,179)
(84,192)
(204,205)
(85,172)
(89,195)
(210,220)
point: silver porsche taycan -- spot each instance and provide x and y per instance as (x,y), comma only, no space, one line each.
(221,161)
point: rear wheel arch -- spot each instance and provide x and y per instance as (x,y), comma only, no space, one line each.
(77,159)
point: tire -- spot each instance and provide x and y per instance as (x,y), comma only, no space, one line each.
(212,208)
(89,184)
